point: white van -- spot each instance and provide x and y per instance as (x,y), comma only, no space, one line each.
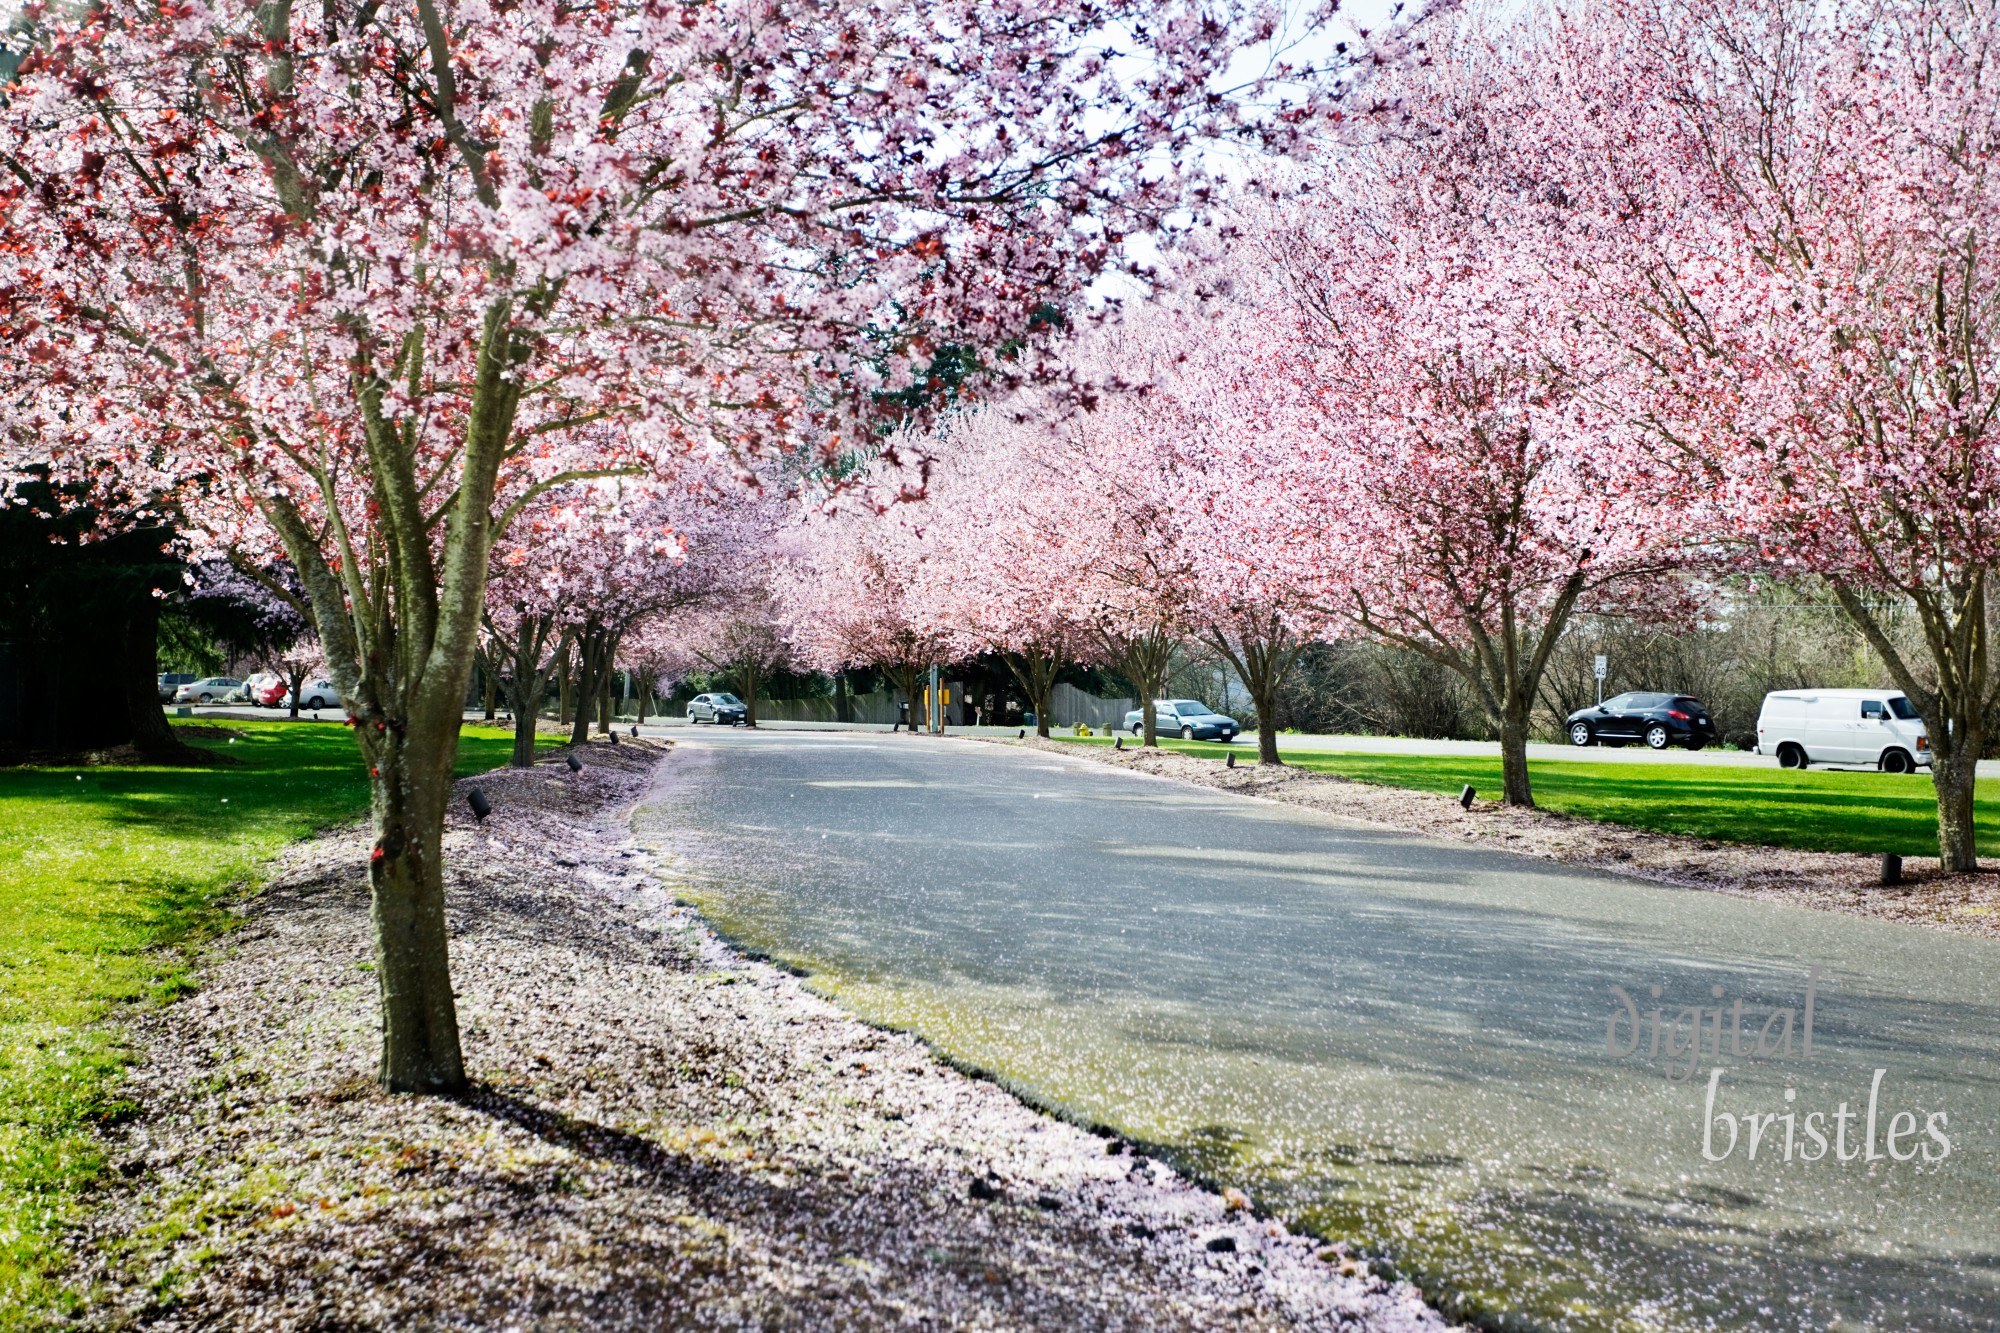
(1878,728)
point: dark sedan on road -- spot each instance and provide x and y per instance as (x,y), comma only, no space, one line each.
(725,709)
(1191,718)
(1659,720)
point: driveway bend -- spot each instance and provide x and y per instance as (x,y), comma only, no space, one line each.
(1410,1044)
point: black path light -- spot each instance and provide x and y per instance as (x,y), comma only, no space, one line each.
(1023,736)
(481,807)
(1118,744)
(611,736)
(1232,760)
(1465,797)
(1892,870)
(575,764)
(635,733)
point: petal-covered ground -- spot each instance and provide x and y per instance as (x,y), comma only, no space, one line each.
(663,1134)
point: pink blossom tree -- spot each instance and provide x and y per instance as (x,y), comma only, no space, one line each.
(1416,435)
(1796,263)
(991,577)
(855,591)
(358,284)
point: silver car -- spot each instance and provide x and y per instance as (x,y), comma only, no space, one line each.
(722,708)
(1193,719)
(211,690)
(316,694)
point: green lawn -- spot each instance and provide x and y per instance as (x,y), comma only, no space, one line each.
(100,868)
(1815,809)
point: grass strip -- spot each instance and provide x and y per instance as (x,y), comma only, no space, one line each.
(102,871)
(1814,810)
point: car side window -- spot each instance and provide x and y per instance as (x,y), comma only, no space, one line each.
(1874,710)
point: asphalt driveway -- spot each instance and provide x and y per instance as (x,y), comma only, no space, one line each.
(1408,1043)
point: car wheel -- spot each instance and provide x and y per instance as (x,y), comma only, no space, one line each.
(1187,733)
(1579,733)
(1791,756)
(692,719)
(1138,728)
(1897,761)
(1656,737)
(207,699)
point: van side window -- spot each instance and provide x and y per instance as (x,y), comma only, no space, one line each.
(1873,711)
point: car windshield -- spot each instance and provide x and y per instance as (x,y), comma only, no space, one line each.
(1903,708)
(1188,707)
(726,700)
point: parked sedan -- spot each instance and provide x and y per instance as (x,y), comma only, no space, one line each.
(210,690)
(265,689)
(1659,720)
(1193,719)
(726,709)
(317,694)
(171,681)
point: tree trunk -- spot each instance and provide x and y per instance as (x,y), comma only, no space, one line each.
(491,683)
(527,682)
(1514,786)
(1952,705)
(297,681)
(1264,698)
(645,694)
(1954,778)
(411,779)
(1145,660)
(590,651)
(1035,671)
(843,702)
(152,734)
(905,678)
(747,674)
(564,690)
(1263,652)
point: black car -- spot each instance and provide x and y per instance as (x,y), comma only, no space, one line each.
(1659,720)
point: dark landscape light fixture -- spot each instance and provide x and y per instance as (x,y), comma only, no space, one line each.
(611,736)
(1118,744)
(635,733)
(481,807)
(575,764)
(1465,797)
(1232,760)
(1023,736)
(1892,870)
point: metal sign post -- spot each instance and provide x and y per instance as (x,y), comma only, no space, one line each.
(1602,666)
(935,712)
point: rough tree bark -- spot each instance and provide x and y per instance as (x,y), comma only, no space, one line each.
(152,734)
(1262,652)
(1145,660)
(1504,666)
(593,664)
(524,669)
(1035,671)
(1953,704)
(907,679)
